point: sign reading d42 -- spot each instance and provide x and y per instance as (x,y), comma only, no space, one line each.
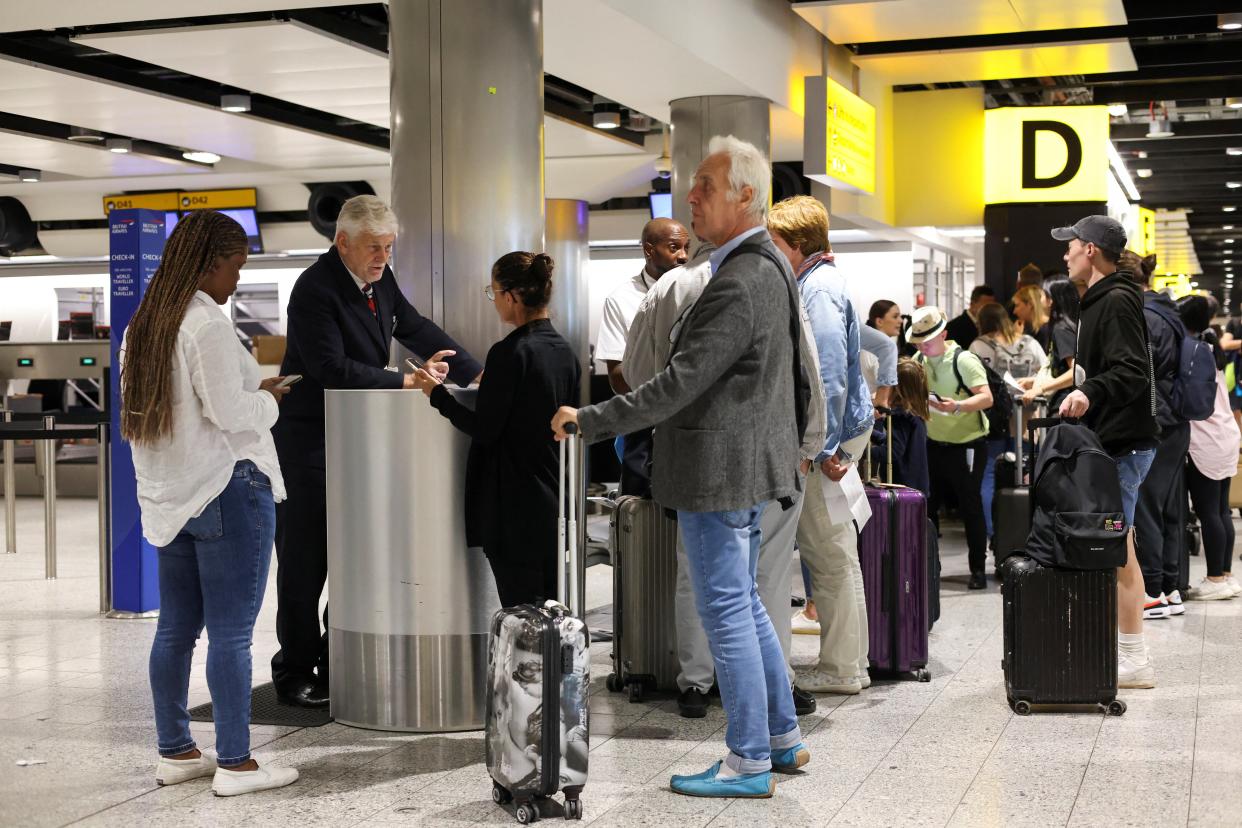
(1045,153)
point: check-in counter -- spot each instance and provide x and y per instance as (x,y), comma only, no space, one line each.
(410,603)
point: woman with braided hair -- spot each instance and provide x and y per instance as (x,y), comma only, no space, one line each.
(197,418)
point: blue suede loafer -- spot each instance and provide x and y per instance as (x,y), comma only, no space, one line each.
(711,784)
(790,759)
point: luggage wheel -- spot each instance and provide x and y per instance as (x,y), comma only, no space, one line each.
(636,692)
(613,683)
(922,674)
(573,809)
(500,795)
(1116,707)
(528,811)
(1022,707)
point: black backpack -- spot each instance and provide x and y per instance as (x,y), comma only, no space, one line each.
(1078,522)
(1001,412)
(1193,396)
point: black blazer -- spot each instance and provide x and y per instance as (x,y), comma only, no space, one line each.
(335,342)
(512,470)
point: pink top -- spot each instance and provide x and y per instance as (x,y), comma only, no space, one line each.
(1214,442)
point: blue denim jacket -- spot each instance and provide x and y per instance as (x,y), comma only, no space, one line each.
(835,326)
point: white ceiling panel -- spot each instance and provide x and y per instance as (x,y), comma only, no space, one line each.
(868,21)
(283,60)
(1081,58)
(82,161)
(565,139)
(63,98)
(19,16)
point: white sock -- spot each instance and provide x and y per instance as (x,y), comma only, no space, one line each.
(1131,646)
(726,772)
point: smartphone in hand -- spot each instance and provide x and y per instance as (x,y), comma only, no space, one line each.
(415,363)
(289,380)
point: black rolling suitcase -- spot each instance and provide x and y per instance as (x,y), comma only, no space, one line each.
(1060,617)
(1011,498)
(538,677)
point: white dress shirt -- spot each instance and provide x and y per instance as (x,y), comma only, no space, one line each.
(219,417)
(619,310)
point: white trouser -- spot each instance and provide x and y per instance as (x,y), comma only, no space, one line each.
(774,577)
(830,552)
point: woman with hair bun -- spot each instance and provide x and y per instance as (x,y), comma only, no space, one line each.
(512,470)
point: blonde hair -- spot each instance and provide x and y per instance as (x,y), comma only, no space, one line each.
(802,222)
(1034,295)
(911,391)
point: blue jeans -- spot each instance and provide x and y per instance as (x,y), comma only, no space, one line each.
(1132,469)
(214,573)
(723,550)
(996,447)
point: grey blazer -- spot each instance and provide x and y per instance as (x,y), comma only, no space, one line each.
(727,437)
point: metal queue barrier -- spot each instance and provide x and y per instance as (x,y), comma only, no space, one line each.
(409,603)
(47,429)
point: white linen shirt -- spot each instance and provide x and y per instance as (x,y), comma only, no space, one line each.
(619,310)
(219,417)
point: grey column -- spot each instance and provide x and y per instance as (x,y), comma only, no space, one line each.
(467,152)
(693,123)
(410,603)
(568,245)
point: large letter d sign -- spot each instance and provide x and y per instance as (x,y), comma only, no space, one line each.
(1073,154)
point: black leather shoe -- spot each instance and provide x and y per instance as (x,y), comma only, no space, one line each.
(692,704)
(804,702)
(977,581)
(303,694)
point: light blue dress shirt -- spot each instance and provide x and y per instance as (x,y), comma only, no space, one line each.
(722,252)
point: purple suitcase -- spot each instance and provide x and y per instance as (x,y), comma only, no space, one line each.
(892,550)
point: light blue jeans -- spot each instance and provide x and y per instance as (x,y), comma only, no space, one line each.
(1132,468)
(213,573)
(722,549)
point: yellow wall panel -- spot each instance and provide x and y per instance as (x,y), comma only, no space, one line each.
(937,157)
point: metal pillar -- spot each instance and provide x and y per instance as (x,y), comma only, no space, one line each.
(467,152)
(10,493)
(694,121)
(49,502)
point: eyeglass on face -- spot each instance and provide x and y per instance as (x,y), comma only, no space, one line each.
(490,292)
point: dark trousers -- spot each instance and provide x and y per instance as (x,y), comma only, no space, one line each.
(1160,514)
(952,474)
(302,555)
(1211,502)
(636,464)
(522,582)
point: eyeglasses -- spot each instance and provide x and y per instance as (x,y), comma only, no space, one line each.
(490,293)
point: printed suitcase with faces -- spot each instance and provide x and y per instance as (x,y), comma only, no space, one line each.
(538,681)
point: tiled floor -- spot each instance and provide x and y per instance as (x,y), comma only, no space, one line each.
(73,693)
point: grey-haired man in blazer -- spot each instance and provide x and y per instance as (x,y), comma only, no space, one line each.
(727,443)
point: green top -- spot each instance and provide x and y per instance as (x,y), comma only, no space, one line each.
(955,428)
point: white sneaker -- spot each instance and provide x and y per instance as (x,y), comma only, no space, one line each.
(1212,591)
(1135,676)
(267,777)
(802,625)
(175,771)
(864,680)
(1233,584)
(1175,603)
(1155,607)
(817,681)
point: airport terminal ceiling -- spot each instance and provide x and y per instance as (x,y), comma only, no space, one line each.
(309,87)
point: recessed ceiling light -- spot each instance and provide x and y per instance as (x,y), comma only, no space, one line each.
(85,135)
(200,156)
(235,103)
(1229,21)
(1228,241)
(29,175)
(1143,173)
(1142,153)
(119,145)
(1160,128)
(1233,150)
(1227,261)
(1226,227)
(1233,103)
(606,120)
(1228,209)
(1233,185)
(1117,110)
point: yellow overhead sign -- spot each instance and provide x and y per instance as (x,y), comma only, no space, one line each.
(1144,242)
(1045,153)
(182,200)
(217,199)
(839,137)
(1178,286)
(143,201)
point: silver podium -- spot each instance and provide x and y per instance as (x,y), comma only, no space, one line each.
(410,602)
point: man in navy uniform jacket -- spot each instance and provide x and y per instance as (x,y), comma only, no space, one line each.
(343,313)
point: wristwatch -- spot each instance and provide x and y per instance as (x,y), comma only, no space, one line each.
(957,408)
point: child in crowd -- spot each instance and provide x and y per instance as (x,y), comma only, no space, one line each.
(910,413)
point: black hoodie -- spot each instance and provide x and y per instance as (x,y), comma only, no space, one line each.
(1114,368)
(1166,351)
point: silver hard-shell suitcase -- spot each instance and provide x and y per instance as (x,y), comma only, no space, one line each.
(644,583)
(538,661)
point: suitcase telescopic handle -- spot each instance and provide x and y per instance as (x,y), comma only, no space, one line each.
(887,413)
(567,523)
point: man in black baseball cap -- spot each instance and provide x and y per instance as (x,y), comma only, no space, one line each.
(1113,395)
(1105,233)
